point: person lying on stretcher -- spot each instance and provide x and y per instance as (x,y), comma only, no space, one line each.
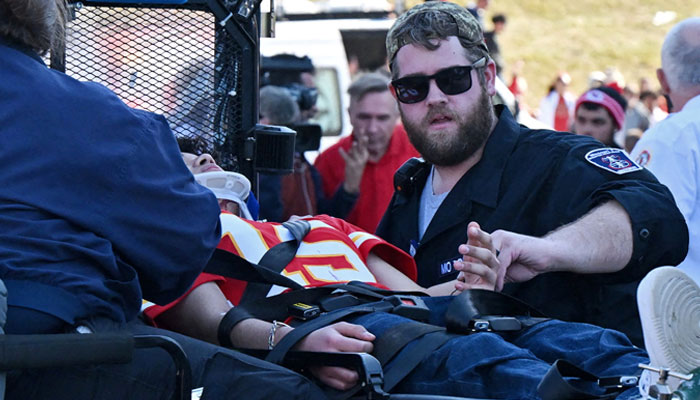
(334,251)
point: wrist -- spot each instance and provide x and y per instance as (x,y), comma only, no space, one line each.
(555,254)
(278,330)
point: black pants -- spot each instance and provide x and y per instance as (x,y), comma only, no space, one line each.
(224,374)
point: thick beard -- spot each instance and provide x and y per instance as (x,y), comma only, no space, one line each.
(449,149)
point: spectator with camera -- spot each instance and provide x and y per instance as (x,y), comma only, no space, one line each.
(298,193)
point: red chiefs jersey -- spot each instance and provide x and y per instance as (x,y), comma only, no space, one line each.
(333,251)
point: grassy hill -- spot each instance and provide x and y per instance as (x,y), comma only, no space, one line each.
(580,36)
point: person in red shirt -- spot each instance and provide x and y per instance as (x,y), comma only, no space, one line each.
(357,172)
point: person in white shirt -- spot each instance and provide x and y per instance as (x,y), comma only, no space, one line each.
(671,148)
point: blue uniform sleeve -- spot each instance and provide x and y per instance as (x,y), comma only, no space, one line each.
(127,183)
(96,200)
(659,230)
(159,219)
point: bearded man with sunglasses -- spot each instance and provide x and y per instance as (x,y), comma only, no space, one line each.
(575,225)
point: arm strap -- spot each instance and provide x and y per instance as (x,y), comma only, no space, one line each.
(228,322)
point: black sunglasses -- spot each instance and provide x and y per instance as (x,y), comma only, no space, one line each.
(451,81)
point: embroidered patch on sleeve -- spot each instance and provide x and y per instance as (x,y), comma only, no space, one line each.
(643,158)
(613,160)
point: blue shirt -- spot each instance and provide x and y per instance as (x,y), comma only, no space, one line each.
(97,208)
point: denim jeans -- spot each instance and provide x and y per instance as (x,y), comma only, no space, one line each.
(509,366)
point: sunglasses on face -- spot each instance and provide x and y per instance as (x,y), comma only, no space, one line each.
(451,81)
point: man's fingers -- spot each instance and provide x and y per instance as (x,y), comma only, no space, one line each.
(344,154)
(479,237)
(479,269)
(479,254)
(356,156)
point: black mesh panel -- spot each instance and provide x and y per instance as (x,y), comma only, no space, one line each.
(176,62)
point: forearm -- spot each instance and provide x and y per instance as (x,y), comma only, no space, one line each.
(442,289)
(255,334)
(392,278)
(389,276)
(599,242)
(198,315)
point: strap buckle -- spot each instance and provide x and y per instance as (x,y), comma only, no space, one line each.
(412,307)
(618,382)
(495,323)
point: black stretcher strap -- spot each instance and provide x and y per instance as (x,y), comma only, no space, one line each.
(476,304)
(277,307)
(407,361)
(395,338)
(298,228)
(261,276)
(555,386)
(233,266)
(277,258)
(232,317)
(383,292)
(268,309)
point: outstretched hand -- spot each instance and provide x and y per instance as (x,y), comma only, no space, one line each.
(522,257)
(338,337)
(479,267)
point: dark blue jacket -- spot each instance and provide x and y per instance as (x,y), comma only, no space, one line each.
(96,206)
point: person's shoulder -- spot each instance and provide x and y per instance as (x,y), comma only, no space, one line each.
(671,137)
(682,122)
(28,70)
(681,127)
(96,102)
(555,139)
(564,147)
(81,106)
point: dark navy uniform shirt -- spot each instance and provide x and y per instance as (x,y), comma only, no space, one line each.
(532,182)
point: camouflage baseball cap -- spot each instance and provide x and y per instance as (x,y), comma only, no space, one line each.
(468,28)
